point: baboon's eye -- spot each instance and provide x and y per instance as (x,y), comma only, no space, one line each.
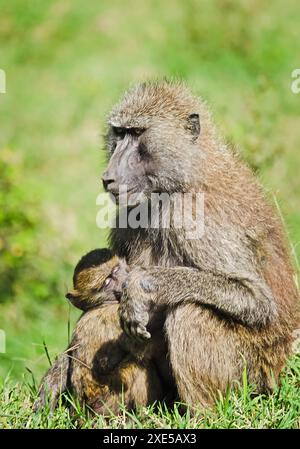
(137,131)
(119,131)
(115,270)
(106,282)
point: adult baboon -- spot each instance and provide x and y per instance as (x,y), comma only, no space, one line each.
(229,295)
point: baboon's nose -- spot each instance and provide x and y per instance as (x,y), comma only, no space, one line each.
(107,179)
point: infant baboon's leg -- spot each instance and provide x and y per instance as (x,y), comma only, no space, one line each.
(108,358)
(130,385)
(53,384)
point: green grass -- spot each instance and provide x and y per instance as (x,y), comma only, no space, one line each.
(237,410)
(66,62)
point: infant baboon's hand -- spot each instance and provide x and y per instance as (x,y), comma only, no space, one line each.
(136,302)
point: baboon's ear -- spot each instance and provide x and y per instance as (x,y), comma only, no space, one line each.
(194,124)
(72,294)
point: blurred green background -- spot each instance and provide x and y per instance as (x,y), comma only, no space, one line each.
(66,62)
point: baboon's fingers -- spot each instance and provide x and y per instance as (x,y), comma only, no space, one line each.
(135,330)
(142,333)
(139,332)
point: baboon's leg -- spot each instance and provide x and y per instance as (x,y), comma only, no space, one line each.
(131,385)
(207,353)
(146,387)
(54,383)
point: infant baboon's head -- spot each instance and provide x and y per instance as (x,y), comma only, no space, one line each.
(98,279)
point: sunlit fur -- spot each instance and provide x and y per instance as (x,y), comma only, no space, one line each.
(230,295)
(102,367)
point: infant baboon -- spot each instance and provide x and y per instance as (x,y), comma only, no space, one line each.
(102,366)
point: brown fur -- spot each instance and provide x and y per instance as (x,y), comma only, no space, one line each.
(230,295)
(133,381)
(102,366)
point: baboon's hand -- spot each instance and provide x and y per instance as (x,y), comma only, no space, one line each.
(137,300)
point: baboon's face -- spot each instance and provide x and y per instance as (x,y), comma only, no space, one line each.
(99,284)
(147,152)
(129,163)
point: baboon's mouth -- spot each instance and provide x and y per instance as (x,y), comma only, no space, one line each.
(123,197)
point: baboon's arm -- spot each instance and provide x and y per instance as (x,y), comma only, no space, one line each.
(53,384)
(245,298)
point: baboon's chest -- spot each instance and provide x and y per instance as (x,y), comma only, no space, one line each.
(156,254)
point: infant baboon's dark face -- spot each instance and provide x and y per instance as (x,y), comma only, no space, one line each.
(98,284)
